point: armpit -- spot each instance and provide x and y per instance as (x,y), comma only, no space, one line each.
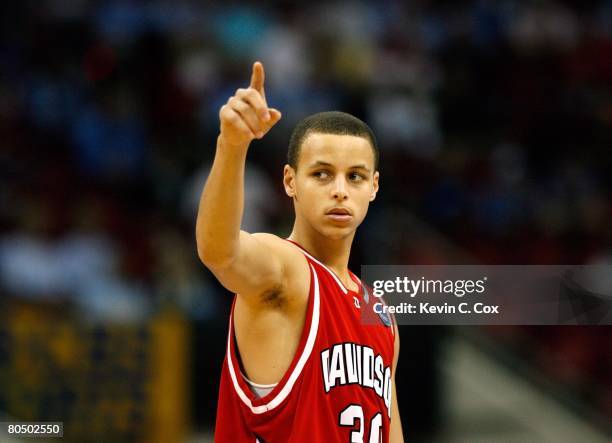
(273,298)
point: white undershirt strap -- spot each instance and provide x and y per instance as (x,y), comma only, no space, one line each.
(258,389)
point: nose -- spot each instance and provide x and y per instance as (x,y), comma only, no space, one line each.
(339,189)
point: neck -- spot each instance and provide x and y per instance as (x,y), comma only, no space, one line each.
(334,253)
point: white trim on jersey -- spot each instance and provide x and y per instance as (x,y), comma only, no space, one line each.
(310,341)
(332,273)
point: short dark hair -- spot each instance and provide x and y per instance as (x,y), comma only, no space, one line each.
(330,122)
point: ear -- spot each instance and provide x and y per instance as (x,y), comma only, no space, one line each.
(374,185)
(289,181)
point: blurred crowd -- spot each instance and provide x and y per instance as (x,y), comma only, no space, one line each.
(494,120)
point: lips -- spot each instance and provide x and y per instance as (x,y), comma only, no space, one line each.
(339,211)
(339,214)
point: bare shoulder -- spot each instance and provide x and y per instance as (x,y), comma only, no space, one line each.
(296,274)
(290,255)
(276,243)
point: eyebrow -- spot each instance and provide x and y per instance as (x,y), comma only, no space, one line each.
(322,163)
(362,166)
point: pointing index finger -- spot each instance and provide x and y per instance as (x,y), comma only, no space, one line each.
(257,79)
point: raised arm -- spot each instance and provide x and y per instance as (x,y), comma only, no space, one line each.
(234,256)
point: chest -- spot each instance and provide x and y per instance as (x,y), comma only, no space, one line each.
(344,338)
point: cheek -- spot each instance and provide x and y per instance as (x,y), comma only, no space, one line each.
(309,197)
(311,190)
(363,201)
(363,194)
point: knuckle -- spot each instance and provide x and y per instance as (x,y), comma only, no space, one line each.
(246,131)
(253,119)
(252,94)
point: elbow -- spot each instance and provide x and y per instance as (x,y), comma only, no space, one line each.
(212,257)
(202,253)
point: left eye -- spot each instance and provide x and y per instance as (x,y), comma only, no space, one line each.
(356,177)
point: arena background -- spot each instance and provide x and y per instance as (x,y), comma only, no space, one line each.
(494,120)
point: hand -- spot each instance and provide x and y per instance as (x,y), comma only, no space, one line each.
(246,115)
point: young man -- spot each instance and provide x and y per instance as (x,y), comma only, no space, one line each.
(300,365)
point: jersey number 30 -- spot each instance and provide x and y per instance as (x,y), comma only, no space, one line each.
(353,413)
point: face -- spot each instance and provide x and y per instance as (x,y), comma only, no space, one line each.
(334,183)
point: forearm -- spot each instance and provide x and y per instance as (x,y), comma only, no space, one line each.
(244,117)
(221,206)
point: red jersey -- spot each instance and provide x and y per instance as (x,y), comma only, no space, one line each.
(338,386)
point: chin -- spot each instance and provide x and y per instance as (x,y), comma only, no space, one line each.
(337,232)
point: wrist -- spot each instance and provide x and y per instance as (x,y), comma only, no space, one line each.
(239,147)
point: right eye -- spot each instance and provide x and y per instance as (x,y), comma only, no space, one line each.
(321,174)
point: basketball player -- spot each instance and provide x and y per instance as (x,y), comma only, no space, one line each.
(300,365)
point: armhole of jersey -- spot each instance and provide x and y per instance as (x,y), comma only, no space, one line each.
(284,386)
(258,389)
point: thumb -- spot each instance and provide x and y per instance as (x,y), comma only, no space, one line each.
(275,116)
